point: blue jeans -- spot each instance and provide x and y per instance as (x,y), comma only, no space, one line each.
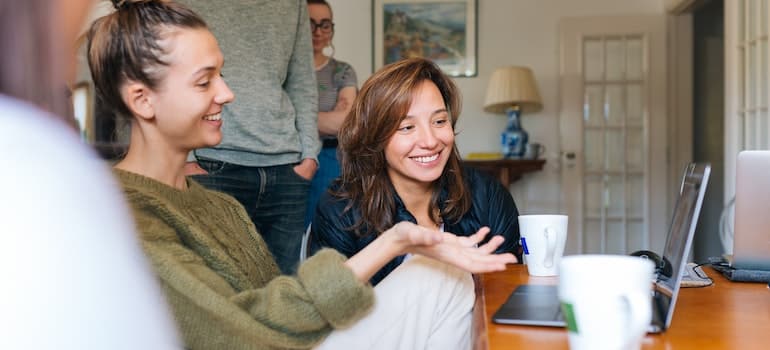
(275,199)
(328,170)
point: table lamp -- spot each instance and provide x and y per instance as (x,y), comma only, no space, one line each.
(512,90)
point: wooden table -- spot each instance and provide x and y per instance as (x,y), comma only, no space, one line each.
(725,315)
(506,170)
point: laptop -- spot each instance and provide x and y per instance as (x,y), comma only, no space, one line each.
(751,236)
(538,305)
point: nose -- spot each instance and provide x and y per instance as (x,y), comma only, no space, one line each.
(224,95)
(427,138)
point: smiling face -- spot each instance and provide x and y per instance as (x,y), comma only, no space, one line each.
(318,14)
(188,102)
(418,152)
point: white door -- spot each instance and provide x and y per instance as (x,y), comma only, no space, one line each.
(613,133)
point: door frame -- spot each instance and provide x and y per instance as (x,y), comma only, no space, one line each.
(657,207)
(680,105)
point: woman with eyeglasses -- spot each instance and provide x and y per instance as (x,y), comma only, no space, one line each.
(336,92)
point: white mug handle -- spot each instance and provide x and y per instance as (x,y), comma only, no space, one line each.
(638,317)
(550,240)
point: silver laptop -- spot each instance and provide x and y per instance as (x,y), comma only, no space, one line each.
(538,305)
(751,237)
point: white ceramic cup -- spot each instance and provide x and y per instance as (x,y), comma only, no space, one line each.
(606,300)
(543,238)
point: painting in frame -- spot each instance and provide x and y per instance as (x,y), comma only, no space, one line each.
(443,31)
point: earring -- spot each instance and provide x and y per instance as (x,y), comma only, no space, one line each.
(328,51)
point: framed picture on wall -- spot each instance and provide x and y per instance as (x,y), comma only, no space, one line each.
(443,31)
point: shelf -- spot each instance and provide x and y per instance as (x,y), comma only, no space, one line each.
(506,170)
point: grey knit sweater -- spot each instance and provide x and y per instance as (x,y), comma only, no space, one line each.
(269,66)
(221,281)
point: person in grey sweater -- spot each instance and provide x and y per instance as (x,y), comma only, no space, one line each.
(270,144)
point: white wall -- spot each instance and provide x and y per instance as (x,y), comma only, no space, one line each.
(510,32)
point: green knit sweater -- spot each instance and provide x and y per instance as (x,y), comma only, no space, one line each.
(221,281)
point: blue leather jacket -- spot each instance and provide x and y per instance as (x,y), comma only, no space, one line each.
(492,206)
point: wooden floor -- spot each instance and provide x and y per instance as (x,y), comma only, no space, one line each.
(726,315)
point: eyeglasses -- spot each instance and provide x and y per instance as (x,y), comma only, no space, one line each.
(326,26)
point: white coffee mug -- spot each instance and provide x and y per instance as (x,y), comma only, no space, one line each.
(542,239)
(606,300)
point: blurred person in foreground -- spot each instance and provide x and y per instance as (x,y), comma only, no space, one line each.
(73,274)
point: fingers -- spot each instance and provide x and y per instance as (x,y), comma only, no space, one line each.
(492,245)
(489,263)
(480,234)
(474,239)
(469,258)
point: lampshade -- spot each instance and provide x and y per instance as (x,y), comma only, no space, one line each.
(512,86)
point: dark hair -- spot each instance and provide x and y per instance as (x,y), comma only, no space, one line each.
(377,111)
(124,45)
(30,69)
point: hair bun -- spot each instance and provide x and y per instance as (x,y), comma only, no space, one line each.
(118,3)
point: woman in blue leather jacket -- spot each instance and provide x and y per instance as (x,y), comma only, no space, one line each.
(400,163)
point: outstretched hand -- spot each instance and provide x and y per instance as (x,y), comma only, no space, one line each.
(465,252)
(406,237)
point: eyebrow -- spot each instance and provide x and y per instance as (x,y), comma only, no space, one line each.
(438,111)
(206,69)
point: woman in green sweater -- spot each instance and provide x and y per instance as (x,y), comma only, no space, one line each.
(158,64)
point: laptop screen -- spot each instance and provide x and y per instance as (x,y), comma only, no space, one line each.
(751,245)
(679,238)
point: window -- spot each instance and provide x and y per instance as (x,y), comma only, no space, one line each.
(747,69)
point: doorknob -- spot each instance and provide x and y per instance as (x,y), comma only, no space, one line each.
(570,159)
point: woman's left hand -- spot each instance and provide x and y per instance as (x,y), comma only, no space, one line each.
(465,253)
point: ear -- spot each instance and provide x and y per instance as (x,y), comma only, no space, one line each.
(138,99)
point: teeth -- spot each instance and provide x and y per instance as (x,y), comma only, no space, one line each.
(217,116)
(426,159)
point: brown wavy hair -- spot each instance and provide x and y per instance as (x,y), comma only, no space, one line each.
(125,46)
(379,108)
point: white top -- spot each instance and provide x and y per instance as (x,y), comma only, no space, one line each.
(73,274)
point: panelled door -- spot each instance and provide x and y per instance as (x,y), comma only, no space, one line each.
(613,133)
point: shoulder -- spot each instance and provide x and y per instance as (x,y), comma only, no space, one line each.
(333,210)
(486,191)
(342,65)
(218,198)
(343,71)
(479,181)
(223,203)
(334,219)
